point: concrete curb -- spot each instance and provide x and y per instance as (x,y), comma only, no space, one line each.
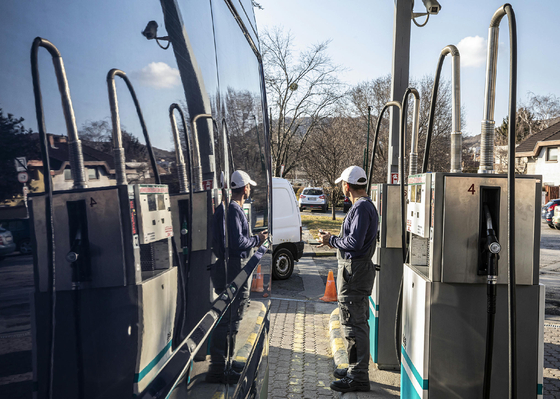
(323,254)
(338,349)
(380,381)
(243,353)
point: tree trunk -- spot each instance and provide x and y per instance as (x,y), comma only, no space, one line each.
(333,201)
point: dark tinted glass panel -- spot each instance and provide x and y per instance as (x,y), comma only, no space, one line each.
(241,113)
(312,192)
(93,38)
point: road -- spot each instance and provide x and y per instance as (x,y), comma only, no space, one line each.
(550,271)
(16,285)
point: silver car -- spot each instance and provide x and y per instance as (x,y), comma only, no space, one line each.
(7,245)
(314,198)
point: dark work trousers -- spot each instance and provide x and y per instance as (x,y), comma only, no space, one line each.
(354,284)
(222,343)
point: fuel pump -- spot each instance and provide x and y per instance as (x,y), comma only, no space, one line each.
(459,271)
(383,299)
(387,258)
(203,197)
(182,211)
(103,270)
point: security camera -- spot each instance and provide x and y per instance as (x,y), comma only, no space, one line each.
(432,6)
(151,30)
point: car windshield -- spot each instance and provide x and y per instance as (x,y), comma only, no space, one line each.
(312,191)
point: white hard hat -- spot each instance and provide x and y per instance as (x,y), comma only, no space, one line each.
(241,179)
(353,175)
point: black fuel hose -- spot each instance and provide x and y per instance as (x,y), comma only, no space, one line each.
(402,145)
(491,301)
(375,137)
(185,274)
(432,115)
(117,72)
(43,141)
(512,299)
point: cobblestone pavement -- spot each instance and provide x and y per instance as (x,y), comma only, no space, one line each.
(551,373)
(300,358)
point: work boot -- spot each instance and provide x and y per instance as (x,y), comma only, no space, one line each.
(340,373)
(231,377)
(347,384)
(222,377)
(237,366)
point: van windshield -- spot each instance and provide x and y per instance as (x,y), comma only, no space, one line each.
(312,191)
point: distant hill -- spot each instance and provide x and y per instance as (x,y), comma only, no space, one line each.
(164,154)
(471,141)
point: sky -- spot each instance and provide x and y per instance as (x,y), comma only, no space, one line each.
(361,34)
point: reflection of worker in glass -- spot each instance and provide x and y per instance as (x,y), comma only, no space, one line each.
(356,273)
(240,245)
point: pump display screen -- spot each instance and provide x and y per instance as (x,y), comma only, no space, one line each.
(160,202)
(152,202)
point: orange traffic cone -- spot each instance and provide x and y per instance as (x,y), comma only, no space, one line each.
(257,285)
(253,283)
(330,289)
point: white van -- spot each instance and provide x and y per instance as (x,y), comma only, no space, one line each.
(286,229)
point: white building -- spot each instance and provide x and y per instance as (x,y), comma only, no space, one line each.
(99,166)
(541,150)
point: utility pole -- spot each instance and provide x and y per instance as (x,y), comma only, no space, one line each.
(399,82)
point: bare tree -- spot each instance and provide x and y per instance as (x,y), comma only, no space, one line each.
(376,93)
(330,149)
(439,160)
(303,90)
(545,108)
(538,113)
(98,134)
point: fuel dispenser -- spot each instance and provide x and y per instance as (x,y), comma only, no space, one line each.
(388,255)
(196,243)
(455,221)
(105,293)
(182,211)
(474,239)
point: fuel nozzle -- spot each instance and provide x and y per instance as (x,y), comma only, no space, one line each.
(492,247)
(74,253)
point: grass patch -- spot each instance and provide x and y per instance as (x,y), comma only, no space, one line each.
(314,223)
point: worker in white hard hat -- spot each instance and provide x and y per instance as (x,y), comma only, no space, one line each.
(240,244)
(356,274)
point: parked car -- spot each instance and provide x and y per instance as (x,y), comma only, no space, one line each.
(548,211)
(286,229)
(556,217)
(347,204)
(314,198)
(7,245)
(20,232)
